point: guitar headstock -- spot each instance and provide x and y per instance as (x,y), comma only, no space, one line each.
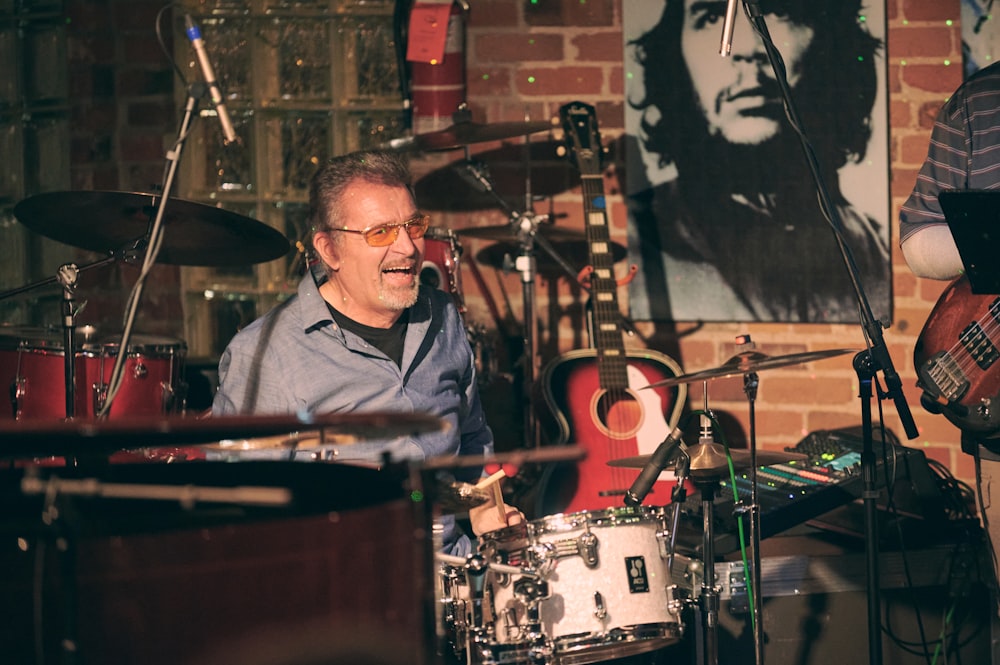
(583,140)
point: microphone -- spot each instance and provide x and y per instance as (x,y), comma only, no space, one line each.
(728,24)
(194,34)
(657,462)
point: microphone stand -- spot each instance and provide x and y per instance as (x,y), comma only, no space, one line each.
(154,241)
(869,362)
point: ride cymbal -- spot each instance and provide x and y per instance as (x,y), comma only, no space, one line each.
(747,363)
(575,252)
(509,171)
(466,133)
(507,232)
(193,234)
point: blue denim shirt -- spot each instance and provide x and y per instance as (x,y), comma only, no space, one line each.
(296,359)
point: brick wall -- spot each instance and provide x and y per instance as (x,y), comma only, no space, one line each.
(526,59)
(123,111)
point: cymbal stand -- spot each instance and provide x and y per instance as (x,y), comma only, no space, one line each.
(66,276)
(709,590)
(750,383)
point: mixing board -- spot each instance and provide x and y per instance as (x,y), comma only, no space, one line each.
(793,493)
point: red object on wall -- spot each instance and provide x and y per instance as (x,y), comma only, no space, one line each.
(438,87)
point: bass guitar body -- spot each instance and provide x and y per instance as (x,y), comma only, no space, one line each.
(956,357)
(609,424)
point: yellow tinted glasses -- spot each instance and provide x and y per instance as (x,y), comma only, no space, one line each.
(384,235)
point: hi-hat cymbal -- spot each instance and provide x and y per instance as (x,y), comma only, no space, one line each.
(575,252)
(708,460)
(458,497)
(466,133)
(193,234)
(58,438)
(746,363)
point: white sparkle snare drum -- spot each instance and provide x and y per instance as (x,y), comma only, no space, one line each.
(609,592)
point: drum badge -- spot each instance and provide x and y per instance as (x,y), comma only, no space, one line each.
(637,580)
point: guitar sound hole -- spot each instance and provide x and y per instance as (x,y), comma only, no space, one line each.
(619,412)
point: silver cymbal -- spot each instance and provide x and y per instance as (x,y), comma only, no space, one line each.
(745,363)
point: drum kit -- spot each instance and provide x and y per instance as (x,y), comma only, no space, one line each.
(566,589)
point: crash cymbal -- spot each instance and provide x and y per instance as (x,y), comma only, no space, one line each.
(708,460)
(509,170)
(466,133)
(110,222)
(746,363)
(575,252)
(57,438)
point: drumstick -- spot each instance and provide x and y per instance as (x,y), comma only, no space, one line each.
(492,482)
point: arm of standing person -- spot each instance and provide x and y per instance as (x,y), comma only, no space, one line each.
(925,238)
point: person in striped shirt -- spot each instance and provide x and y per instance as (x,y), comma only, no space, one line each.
(964,153)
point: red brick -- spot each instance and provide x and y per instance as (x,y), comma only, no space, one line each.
(508,47)
(933,78)
(560,81)
(569,13)
(930,10)
(902,180)
(141,147)
(894,80)
(493,14)
(599,47)
(900,113)
(913,149)
(487,82)
(922,42)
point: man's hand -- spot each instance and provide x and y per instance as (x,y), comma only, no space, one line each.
(488,517)
(494,514)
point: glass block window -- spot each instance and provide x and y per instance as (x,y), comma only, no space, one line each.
(34,143)
(304,80)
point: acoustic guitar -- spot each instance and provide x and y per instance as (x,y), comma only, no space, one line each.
(595,394)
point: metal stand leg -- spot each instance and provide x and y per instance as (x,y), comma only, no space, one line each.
(709,589)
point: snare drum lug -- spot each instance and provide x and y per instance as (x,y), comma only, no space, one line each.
(139,371)
(601,612)
(100,391)
(17,390)
(587,546)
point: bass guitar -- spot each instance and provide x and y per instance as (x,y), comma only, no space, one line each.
(594,394)
(956,358)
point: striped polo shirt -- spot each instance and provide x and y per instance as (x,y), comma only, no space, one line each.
(964,150)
